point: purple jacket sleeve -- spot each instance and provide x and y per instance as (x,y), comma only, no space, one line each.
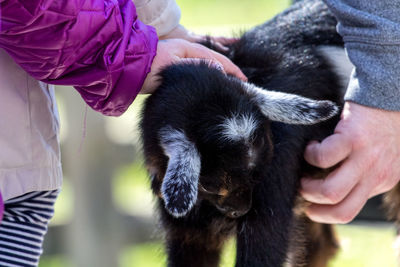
(97,46)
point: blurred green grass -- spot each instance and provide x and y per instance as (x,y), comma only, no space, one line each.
(152,255)
(362,245)
(227,16)
(210,13)
(132,193)
(366,246)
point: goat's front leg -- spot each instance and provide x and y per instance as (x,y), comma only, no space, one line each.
(196,241)
(184,253)
(263,234)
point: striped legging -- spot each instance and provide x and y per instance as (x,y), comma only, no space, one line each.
(23,227)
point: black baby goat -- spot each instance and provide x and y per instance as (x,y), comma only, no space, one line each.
(225,156)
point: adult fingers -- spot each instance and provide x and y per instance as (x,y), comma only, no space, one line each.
(336,186)
(345,211)
(329,152)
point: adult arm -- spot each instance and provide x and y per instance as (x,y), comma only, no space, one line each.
(366,141)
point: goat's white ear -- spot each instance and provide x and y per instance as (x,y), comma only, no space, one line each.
(290,108)
(180,184)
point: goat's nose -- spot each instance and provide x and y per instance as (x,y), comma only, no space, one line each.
(232,213)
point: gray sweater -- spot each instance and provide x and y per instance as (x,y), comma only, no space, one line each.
(371,32)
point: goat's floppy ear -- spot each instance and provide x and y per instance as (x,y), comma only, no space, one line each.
(290,108)
(180,183)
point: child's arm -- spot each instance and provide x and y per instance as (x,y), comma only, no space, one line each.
(97,46)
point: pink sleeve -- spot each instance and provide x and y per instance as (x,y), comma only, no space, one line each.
(97,46)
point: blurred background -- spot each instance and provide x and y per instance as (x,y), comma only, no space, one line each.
(104,215)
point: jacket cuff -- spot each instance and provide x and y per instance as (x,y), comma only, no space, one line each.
(370,30)
(376,82)
(164,15)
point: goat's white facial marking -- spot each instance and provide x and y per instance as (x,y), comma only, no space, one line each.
(290,108)
(239,127)
(180,184)
(252,158)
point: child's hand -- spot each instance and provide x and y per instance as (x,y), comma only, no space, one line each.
(181,32)
(176,50)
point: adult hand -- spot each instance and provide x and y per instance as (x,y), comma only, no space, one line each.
(176,50)
(366,148)
(181,32)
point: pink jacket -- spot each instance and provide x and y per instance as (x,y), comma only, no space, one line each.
(97,46)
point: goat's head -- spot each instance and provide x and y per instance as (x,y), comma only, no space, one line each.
(220,156)
(221,169)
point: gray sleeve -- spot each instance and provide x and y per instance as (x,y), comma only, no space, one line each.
(371,32)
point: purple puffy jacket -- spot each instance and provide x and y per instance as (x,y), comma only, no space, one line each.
(97,46)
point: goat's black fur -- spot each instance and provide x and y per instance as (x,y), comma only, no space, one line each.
(254,203)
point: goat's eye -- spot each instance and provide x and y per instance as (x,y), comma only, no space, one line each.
(201,187)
